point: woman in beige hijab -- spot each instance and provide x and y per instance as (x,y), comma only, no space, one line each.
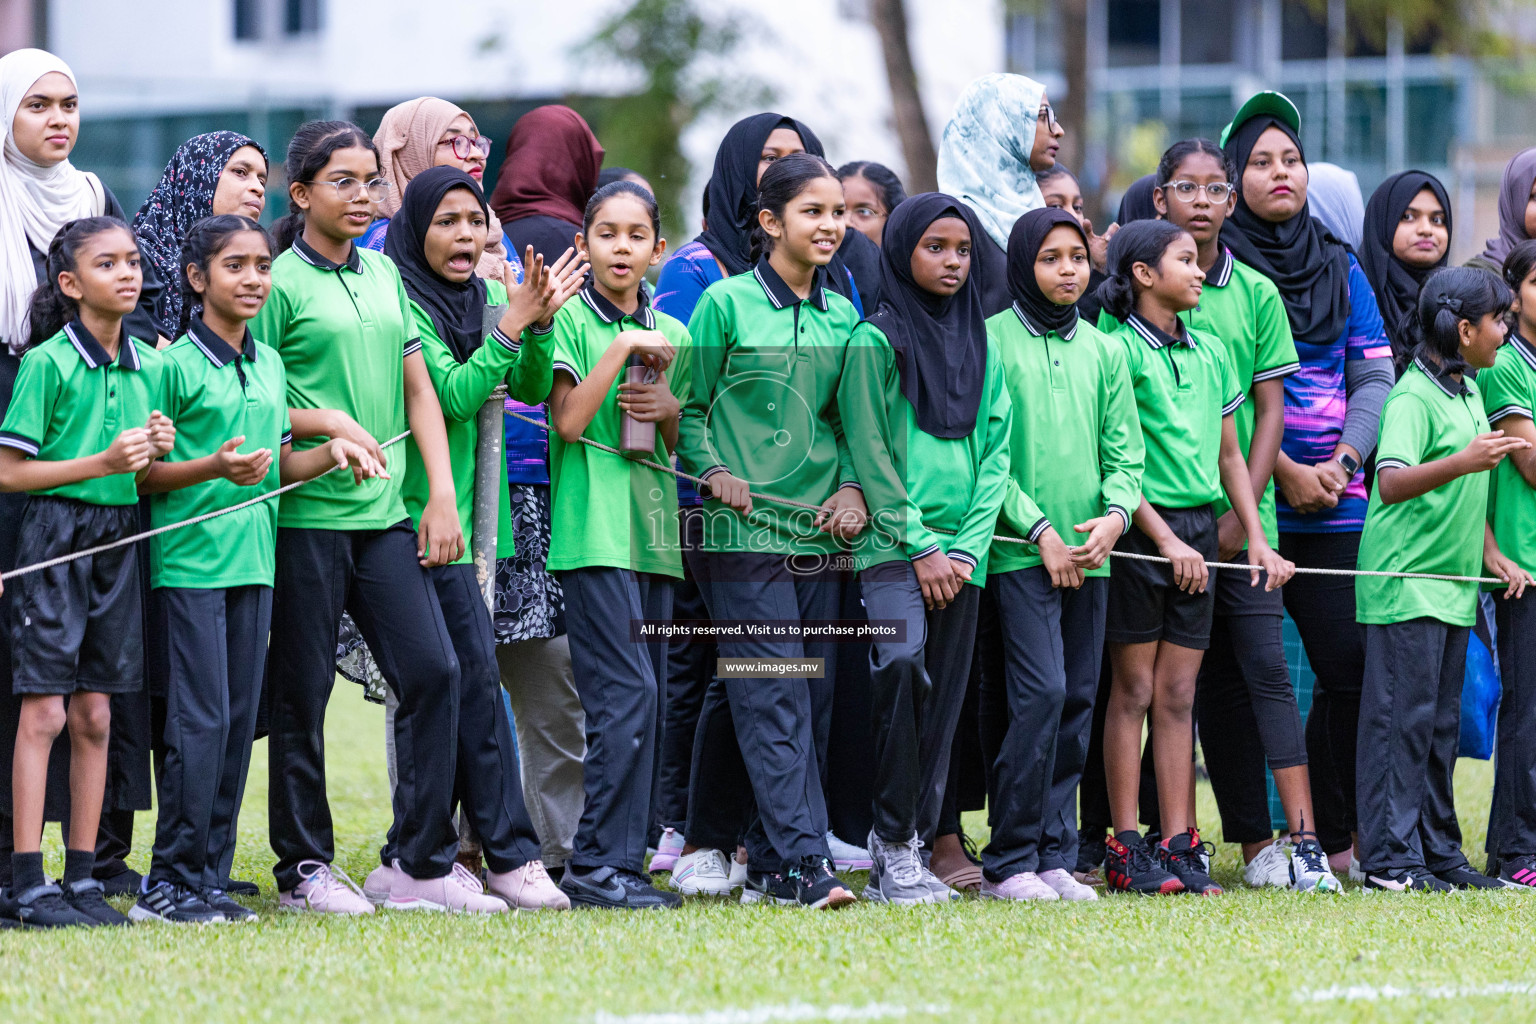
(431,132)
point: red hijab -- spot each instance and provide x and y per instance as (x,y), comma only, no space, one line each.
(550,169)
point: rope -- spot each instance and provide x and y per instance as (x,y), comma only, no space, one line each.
(157,531)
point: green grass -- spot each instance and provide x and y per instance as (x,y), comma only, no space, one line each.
(1242,956)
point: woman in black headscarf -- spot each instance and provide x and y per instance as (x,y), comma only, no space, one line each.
(932,419)
(1407,237)
(1332,410)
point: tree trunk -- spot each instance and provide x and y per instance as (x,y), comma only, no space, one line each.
(1072,109)
(890,18)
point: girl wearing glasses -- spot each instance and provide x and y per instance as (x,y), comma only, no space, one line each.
(1245,705)
(341,320)
(430,132)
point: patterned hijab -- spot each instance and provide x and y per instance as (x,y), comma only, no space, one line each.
(984,153)
(182,197)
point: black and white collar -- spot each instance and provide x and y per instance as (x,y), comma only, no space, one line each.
(309,255)
(1221,273)
(608,313)
(1157,337)
(216,348)
(1442,379)
(782,295)
(1524,349)
(1034,328)
(94,355)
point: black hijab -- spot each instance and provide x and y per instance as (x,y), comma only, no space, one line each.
(457,310)
(1396,283)
(731,195)
(940,342)
(1136,203)
(1306,262)
(1024,243)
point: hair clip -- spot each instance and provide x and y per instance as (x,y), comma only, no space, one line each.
(1449,302)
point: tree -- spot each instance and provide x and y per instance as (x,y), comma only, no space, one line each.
(679,55)
(890,19)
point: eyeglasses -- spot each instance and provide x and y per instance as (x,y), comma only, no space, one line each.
(1217,191)
(1048,115)
(463,145)
(350,189)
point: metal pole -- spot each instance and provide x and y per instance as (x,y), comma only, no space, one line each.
(488,458)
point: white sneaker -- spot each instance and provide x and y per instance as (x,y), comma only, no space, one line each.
(1356,873)
(1067,887)
(846,856)
(738,874)
(1272,867)
(702,873)
(1309,871)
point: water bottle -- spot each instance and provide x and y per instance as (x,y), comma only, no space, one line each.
(637,440)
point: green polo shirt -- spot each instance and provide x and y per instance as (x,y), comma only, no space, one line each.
(915,483)
(763,405)
(1426,417)
(1242,308)
(1509,391)
(1184,387)
(1077,452)
(462,389)
(71,400)
(343,331)
(605,509)
(213,394)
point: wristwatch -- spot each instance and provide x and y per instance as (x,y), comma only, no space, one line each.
(1348,462)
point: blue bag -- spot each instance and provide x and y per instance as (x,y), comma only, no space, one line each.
(1480,692)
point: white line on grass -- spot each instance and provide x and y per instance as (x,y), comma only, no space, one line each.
(1373,993)
(770,1014)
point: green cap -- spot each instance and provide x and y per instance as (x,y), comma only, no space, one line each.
(1274,104)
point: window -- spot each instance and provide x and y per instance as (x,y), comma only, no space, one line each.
(1135,31)
(1207,31)
(1303,33)
(247,20)
(301,17)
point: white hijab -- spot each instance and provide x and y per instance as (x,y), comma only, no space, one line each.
(35,201)
(984,151)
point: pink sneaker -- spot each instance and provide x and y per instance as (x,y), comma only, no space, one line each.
(324,890)
(668,850)
(377,886)
(457,891)
(1026,885)
(528,888)
(1068,888)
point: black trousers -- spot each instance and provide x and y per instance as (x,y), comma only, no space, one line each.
(1410,730)
(756,769)
(1323,608)
(1512,831)
(489,785)
(919,686)
(375,575)
(1053,643)
(215,654)
(622,685)
(690,667)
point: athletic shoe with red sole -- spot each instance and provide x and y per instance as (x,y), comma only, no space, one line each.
(1130,867)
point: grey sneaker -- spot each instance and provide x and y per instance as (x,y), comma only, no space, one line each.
(896,873)
(941,892)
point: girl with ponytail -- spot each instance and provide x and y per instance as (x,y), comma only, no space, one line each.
(1428,515)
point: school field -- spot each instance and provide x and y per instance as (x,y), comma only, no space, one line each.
(1245,956)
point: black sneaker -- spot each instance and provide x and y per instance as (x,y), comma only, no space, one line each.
(174,903)
(1519,872)
(118,879)
(1090,856)
(1130,867)
(611,889)
(88,897)
(43,906)
(237,887)
(1186,856)
(1406,880)
(234,913)
(1464,877)
(817,885)
(770,887)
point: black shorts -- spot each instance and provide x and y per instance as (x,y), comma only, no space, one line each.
(1144,604)
(79,625)
(1235,597)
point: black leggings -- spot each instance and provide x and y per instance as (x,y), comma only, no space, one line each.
(1323,608)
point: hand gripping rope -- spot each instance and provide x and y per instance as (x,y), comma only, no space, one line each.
(23,570)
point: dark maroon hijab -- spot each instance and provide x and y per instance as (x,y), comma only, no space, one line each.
(551,167)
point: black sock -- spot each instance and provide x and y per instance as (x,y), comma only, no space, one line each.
(27,871)
(77,865)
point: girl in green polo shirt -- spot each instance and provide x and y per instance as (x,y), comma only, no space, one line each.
(1428,514)
(613,536)
(1159,621)
(930,415)
(81,424)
